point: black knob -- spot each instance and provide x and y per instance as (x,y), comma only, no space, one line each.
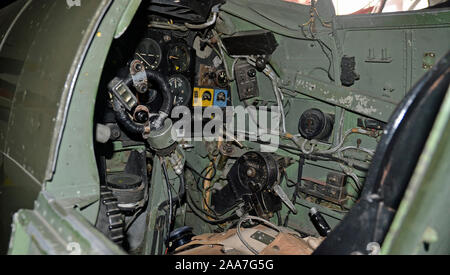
(143,88)
(222,79)
(252,73)
(142,117)
(261,64)
(319,222)
(139,67)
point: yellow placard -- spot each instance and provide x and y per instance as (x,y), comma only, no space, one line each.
(203,97)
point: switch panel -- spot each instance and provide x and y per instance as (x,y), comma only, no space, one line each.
(246,80)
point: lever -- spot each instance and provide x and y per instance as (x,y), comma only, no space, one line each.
(280,192)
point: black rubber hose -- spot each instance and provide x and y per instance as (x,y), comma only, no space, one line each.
(163,85)
(174,200)
(124,119)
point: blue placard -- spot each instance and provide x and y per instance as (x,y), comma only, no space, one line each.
(220,98)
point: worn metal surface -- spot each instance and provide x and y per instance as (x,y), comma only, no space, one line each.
(357,101)
(401,38)
(404,37)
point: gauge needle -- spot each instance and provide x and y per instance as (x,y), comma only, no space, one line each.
(143,59)
(174,57)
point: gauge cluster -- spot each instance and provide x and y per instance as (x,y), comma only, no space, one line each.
(212,84)
(172,56)
(195,71)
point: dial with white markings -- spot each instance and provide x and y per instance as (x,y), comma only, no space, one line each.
(181,89)
(150,53)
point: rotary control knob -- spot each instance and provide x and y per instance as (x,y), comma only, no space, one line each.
(258,171)
(314,124)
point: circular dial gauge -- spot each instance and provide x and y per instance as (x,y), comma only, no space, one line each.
(181,89)
(150,53)
(222,79)
(179,58)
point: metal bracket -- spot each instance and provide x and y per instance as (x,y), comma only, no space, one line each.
(383,59)
(121,91)
(139,76)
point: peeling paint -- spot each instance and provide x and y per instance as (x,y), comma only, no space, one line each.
(347,102)
(362,105)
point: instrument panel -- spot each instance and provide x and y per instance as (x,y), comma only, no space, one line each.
(164,52)
(195,72)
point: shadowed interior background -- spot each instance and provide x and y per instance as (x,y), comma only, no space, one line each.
(4,3)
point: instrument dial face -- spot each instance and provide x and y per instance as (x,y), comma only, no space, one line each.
(150,53)
(181,89)
(179,58)
(222,79)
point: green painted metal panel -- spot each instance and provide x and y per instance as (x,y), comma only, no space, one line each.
(421,225)
(76,177)
(404,51)
(76,180)
(21,241)
(396,20)
(50,229)
(127,17)
(47,48)
(280,17)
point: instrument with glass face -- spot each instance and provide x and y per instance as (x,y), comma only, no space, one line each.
(179,58)
(150,53)
(181,88)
